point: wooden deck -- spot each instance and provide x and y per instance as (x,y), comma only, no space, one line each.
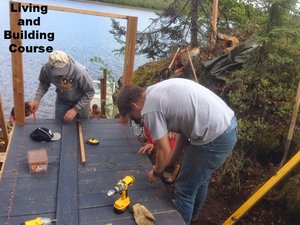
(76,194)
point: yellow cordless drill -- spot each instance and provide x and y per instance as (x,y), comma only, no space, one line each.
(123,202)
(39,221)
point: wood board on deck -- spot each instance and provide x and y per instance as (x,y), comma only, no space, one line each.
(73,193)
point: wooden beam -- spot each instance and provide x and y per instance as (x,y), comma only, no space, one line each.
(67,188)
(81,11)
(130,50)
(81,143)
(17,69)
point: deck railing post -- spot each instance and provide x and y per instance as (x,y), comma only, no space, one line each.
(103,82)
(17,68)
(130,50)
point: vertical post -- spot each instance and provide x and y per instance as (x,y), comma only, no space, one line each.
(103,83)
(213,25)
(17,68)
(292,127)
(3,124)
(130,50)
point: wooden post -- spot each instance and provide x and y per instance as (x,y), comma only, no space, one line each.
(192,64)
(103,83)
(173,60)
(130,50)
(3,125)
(292,127)
(17,68)
(213,25)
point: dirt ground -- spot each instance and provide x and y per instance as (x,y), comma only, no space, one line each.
(222,201)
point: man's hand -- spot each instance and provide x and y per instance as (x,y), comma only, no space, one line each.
(70,115)
(148,148)
(34,105)
(152,178)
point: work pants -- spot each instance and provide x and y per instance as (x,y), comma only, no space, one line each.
(61,107)
(198,164)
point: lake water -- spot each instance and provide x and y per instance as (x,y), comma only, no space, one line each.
(82,36)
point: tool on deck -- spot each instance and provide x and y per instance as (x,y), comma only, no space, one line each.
(123,202)
(39,221)
(82,150)
(92,141)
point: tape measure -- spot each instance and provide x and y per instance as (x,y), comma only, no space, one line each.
(93,141)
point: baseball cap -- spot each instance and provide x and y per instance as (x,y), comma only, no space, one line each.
(59,63)
(44,134)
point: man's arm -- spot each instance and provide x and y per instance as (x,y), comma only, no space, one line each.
(86,85)
(163,157)
(181,141)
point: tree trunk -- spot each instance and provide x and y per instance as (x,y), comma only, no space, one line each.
(194,23)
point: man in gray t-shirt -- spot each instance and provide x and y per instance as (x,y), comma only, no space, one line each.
(200,118)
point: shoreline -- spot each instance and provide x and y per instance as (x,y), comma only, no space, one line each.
(121,6)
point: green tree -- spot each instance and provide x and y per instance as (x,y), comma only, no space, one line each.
(187,23)
(266,86)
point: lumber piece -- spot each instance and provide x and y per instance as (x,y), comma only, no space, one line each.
(81,143)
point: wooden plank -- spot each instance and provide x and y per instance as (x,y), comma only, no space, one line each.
(93,200)
(16,163)
(104,215)
(3,127)
(17,68)
(130,50)
(17,220)
(30,207)
(73,10)
(77,194)
(81,143)
(67,199)
(111,166)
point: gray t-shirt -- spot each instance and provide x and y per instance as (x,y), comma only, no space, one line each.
(186,107)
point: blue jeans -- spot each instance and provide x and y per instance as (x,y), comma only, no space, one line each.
(198,164)
(61,107)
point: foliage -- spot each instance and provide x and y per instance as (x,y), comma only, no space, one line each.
(153,4)
(103,66)
(263,92)
(173,26)
(231,168)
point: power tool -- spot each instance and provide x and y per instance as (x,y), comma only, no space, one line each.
(39,221)
(123,202)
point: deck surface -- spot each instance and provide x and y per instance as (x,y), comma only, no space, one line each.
(75,194)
